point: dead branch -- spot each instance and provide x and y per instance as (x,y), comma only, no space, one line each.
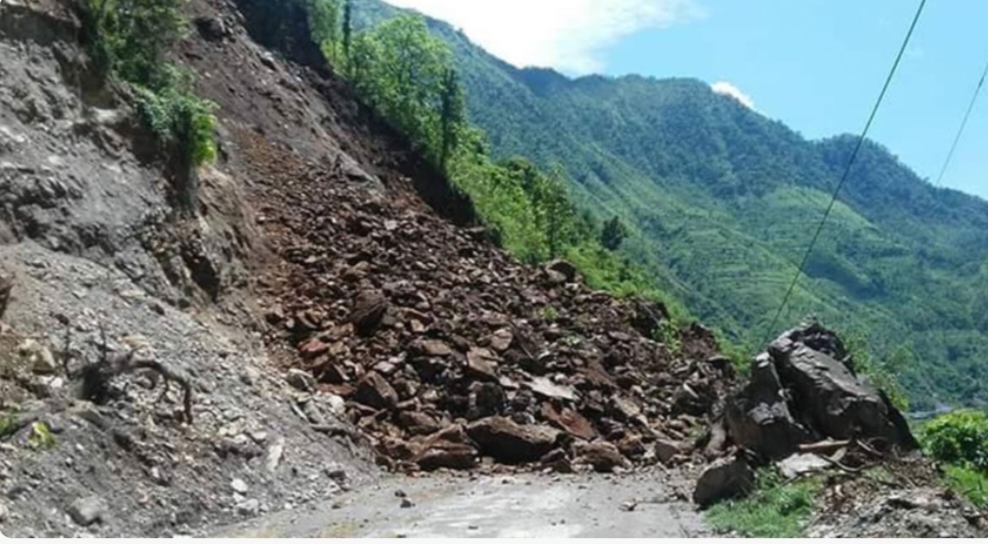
(826,446)
(96,377)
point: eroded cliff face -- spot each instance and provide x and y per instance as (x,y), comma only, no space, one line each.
(102,263)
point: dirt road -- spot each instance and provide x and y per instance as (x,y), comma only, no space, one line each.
(492,507)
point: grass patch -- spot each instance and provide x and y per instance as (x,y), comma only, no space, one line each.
(774,510)
(968,482)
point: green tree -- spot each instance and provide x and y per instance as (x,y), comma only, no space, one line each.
(324,20)
(613,233)
(401,67)
(347,28)
(133,36)
(452,116)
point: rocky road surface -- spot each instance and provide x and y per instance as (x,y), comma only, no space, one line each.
(525,506)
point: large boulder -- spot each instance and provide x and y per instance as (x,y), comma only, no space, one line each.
(802,390)
(509,442)
(724,479)
(833,399)
(759,418)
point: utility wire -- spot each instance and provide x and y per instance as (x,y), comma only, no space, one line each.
(960,131)
(847,172)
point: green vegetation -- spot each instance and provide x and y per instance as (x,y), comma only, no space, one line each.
(970,483)
(775,509)
(41,436)
(131,40)
(549,313)
(881,373)
(720,204)
(668,334)
(960,439)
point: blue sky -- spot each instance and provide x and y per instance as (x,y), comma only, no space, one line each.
(816,65)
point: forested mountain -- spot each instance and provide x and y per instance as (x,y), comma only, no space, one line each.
(722,203)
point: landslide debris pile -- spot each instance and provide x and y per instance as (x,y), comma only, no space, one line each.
(450,354)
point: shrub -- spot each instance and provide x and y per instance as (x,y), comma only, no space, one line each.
(959,438)
(131,39)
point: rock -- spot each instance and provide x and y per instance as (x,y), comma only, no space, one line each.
(87,510)
(666,450)
(374,391)
(632,447)
(486,399)
(407,503)
(482,364)
(508,442)
(301,380)
(249,507)
(239,486)
(724,479)
(313,348)
(501,340)
(647,316)
(555,278)
(39,357)
(759,418)
(568,271)
(602,456)
(800,391)
(211,28)
(267,59)
(369,308)
(275,451)
(4,512)
(275,316)
(570,421)
(545,388)
(418,423)
(432,348)
(446,454)
(336,404)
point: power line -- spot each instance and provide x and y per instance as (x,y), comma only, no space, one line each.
(847,172)
(960,132)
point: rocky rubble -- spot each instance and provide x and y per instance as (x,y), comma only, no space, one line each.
(449,354)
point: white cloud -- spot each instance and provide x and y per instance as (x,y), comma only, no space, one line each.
(729,89)
(569,35)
